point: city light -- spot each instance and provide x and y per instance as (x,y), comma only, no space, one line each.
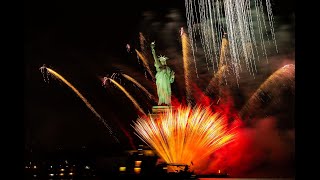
(137,163)
(122,169)
(137,170)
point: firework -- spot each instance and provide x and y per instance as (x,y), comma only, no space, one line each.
(186,134)
(58,76)
(186,64)
(45,73)
(145,63)
(140,86)
(271,87)
(126,93)
(209,19)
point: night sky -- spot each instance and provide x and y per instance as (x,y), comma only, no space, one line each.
(81,41)
(84,41)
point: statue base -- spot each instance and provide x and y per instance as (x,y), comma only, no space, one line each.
(156,110)
(160,109)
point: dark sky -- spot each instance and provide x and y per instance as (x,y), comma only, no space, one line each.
(83,41)
(79,40)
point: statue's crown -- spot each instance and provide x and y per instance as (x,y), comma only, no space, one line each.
(162,58)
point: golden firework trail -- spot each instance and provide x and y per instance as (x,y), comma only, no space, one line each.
(128,95)
(145,63)
(283,77)
(217,78)
(186,65)
(139,85)
(57,75)
(224,52)
(186,134)
(142,40)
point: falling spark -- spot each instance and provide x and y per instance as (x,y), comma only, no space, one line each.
(142,40)
(104,81)
(45,73)
(128,47)
(181,31)
(208,18)
(270,17)
(186,134)
(57,75)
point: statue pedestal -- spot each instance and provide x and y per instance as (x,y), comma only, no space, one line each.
(160,109)
(156,110)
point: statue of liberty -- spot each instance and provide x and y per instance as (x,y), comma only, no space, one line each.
(164,77)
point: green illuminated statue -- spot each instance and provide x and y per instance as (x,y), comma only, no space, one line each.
(164,77)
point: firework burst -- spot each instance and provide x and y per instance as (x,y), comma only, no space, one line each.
(186,134)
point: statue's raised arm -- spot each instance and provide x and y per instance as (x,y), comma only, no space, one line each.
(164,77)
(156,60)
